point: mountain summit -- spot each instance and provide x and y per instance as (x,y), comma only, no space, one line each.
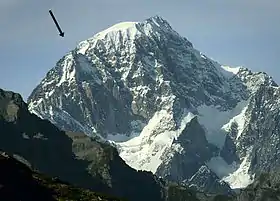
(167,107)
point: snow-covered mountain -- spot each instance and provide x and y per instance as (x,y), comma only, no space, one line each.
(167,107)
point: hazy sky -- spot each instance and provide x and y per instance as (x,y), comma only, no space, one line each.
(233,32)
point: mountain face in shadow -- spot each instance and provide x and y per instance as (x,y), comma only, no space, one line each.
(73,157)
(19,183)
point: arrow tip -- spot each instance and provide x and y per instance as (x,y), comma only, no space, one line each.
(62,34)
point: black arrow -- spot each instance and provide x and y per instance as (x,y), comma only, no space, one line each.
(57,25)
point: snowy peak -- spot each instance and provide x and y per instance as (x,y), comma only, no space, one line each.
(166,106)
(125,29)
(155,23)
(128,33)
(117,27)
(158,22)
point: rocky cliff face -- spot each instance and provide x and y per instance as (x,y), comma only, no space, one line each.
(167,108)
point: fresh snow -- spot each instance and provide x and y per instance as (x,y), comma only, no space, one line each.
(45,84)
(241,177)
(83,47)
(49,94)
(203,56)
(126,27)
(236,175)
(233,70)
(156,23)
(144,151)
(230,71)
(35,104)
(240,122)
(68,71)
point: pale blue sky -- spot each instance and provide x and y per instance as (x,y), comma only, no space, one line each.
(233,32)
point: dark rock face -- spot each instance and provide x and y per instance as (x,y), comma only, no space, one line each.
(264,130)
(261,132)
(204,178)
(196,150)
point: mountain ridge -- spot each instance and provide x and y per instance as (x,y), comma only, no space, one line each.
(20,182)
(140,87)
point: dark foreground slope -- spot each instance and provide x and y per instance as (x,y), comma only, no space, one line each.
(73,157)
(19,183)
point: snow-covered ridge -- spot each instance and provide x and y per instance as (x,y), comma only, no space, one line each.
(127,29)
(120,27)
(230,71)
(233,70)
